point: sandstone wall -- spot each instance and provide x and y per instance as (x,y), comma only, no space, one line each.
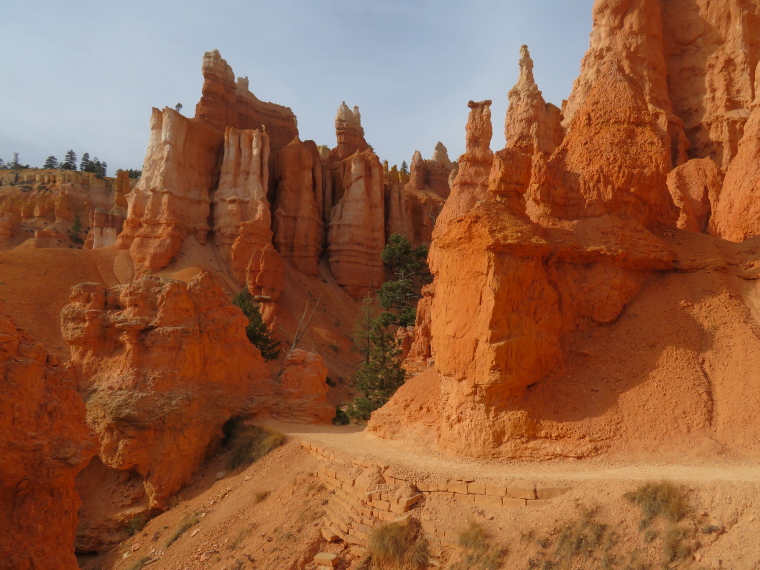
(45,443)
(162,365)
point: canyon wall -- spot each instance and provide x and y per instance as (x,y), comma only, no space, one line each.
(39,207)
(45,444)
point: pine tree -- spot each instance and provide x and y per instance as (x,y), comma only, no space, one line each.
(404,168)
(85,165)
(380,375)
(257,331)
(75,233)
(70,161)
(178,107)
(50,162)
(401,294)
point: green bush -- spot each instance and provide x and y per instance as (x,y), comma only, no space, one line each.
(257,331)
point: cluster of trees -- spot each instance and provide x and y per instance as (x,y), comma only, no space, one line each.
(70,163)
(380,374)
(133,172)
(14,164)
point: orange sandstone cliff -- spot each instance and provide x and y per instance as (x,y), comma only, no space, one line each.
(162,366)
(563,231)
(44,444)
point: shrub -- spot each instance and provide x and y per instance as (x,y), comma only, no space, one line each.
(677,545)
(188,523)
(480,552)
(341,418)
(257,332)
(662,499)
(75,233)
(247,444)
(398,546)
(136,524)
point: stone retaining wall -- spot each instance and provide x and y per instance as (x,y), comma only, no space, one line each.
(367,494)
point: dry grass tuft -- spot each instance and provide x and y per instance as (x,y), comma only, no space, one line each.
(259,496)
(247,444)
(398,546)
(188,523)
(140,562)
(480,552)
(663,499)
(678,544)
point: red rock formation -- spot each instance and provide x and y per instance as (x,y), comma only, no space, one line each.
(163,365)
(45,203)
(736,216)
(356,235)
(104,228)
(298,230)
(439,171)
(470,183)
(591,174)
(627,48)
(417,172)
(171,201)
(711,53)
(301,391)
(397,218)
(225,103)
(242,219)
(532,125)
(420,353)
(45,443)
(350,134)
(265,279)
(695,187)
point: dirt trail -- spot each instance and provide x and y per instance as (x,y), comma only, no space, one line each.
(353,440)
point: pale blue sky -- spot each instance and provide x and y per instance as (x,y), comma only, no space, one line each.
(84,75)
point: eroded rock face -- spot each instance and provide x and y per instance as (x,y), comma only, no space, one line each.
(532,125)
(711,53)
(162,365)
(591,174)
(474,166)
(356,235)
(695,187)
(298,230)
(440,168)
(349,131)
(242,219)
(736,216)
(301,390)
(45,443)
(229,103)
(39,206)
(172,199)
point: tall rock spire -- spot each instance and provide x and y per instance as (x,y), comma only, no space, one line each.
(532,125)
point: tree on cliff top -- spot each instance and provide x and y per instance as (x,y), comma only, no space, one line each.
(257,331)
(50,162)
(70,161)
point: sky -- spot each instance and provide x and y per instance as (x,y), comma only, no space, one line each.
(84,75)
